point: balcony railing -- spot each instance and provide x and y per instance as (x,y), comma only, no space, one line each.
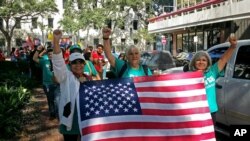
(188,9)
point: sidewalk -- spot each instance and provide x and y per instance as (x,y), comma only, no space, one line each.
(38,126)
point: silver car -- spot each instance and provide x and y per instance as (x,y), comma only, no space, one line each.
(233,89)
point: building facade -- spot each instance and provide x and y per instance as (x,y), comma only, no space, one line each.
(199,24)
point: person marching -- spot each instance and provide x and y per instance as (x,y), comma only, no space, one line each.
(129,68)
(43,58)
(202,62)
(69,80)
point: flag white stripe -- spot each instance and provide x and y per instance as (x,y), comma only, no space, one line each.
(147,133)
(179,82)
(212,139)
(188,93)
(192,119)
(174,106)
(144,118)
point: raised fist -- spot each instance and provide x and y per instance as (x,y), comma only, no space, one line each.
(233,40)
(57,34)
(106,32)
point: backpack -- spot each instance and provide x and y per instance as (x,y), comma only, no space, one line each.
(124,67)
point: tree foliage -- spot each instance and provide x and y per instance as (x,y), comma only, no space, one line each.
(10,10)
(84,14)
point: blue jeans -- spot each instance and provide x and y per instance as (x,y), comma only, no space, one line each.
(52,93)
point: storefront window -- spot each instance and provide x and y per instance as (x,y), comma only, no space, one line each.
(192,44)
(185,42)
(200,41)
(213,37)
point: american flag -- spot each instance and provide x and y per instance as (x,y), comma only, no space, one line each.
(170,107)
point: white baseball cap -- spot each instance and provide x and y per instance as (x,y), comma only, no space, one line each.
(75,56)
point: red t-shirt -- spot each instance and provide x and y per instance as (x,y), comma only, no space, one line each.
(100,58)
(66,56)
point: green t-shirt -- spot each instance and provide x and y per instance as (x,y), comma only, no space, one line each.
(129,72)
(45,65)
(75,126)
(210,80)
(89,68)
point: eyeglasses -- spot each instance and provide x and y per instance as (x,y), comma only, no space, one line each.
(77,61)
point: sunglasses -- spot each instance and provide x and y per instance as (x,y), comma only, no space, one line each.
(77,61)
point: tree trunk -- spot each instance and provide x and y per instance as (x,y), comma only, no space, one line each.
(8,45)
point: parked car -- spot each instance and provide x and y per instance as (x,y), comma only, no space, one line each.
(183,58)
(233,89)
(173,70)
(108,74)
(158,60)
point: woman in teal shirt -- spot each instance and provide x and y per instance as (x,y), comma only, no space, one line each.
(134,68)
(201,61)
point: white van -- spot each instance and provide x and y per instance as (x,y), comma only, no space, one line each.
(233,89)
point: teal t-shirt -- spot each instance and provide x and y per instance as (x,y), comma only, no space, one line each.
(129,72)
(45,64)
(210,80)
(89,68)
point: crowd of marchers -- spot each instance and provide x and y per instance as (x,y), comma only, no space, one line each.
(65,68)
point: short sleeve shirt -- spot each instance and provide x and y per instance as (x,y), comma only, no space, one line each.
(210,80)
(45,64)
(129,72)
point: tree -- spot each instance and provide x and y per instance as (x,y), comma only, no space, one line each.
(13,12)
(86,14)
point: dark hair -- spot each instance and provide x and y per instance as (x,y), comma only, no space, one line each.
(90,47)
(49,50)
(87,55)
(99,45)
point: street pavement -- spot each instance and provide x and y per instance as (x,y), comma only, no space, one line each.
(39,126)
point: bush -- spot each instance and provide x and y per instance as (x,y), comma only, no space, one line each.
(12,101)
(7,65)
(15,79)
(15,93)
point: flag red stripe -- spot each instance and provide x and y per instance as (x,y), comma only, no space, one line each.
(134,128)
(175,112)
(170,88)
(206,136)
(172,100)
(145,125)
(165,138)
(173,76)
